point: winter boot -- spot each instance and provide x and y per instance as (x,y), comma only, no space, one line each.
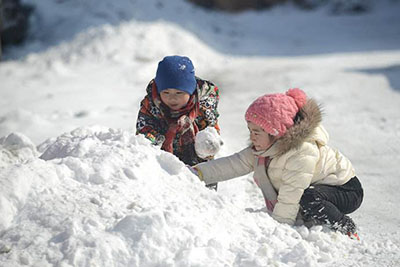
(346,226)
(213,186)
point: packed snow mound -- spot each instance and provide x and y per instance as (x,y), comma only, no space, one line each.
(16,148)
(105,197)
(113,32)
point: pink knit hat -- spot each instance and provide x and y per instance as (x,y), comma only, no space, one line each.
(275,112)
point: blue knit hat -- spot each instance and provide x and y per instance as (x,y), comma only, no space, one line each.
(176,72)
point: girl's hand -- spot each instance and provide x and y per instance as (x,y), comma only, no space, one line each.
(195,171)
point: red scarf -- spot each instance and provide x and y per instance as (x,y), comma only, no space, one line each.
(180,122)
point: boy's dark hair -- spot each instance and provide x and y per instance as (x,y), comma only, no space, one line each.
(299,117)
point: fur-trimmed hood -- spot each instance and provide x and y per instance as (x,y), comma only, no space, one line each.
(310,117)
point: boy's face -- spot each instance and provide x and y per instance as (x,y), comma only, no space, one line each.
(175,99)
(261,139)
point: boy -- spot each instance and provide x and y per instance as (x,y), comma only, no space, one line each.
(177,106)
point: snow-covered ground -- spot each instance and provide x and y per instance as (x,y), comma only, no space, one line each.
(78,188)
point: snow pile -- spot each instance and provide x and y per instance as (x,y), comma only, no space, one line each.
(113,32)
(16,148)
(105,197)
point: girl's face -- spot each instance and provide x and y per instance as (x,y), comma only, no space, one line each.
(261,140)
(175,99)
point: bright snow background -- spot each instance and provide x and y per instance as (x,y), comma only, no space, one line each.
(101,196)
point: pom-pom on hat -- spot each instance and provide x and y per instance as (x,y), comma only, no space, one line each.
(274,113)
(175,72)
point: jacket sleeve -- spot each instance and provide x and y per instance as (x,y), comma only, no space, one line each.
(226,168)
(296,177)
(148,124)
(208,103)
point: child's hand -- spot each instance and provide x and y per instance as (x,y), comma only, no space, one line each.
(193,170)
(207,143)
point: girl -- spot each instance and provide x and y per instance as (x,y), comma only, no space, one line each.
(297,171)
(177,106)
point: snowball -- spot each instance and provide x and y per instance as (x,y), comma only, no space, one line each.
(207,142)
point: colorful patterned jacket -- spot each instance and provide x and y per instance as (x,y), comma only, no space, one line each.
(152,123)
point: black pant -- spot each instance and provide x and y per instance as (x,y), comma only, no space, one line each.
(329,204)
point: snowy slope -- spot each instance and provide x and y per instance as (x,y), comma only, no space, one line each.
(100,196)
